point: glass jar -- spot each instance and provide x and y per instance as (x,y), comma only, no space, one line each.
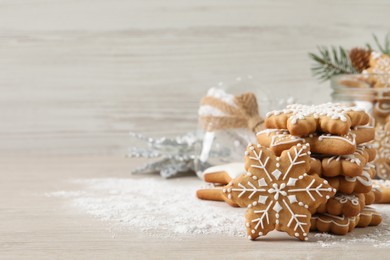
(371,92)
(227,145)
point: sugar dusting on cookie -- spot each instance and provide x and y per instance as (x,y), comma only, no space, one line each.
(170,209)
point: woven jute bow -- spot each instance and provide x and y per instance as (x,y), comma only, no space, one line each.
(242,113)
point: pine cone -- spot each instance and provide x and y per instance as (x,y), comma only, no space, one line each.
(360,58)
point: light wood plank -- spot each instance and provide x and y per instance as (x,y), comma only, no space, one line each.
(76,76)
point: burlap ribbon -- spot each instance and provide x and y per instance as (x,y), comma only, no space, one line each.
(243,113)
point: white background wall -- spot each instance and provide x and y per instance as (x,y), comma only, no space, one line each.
(77,75)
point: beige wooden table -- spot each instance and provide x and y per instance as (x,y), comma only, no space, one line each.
(76,76)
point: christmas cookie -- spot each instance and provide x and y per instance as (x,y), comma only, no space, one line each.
(215,194)
(277,191)
(339,225)
(369,197)
(364,133)
(382,144)
(374,196)
(220,175)
(369,149)
(347,184)
(357,184)
(223,174)
(354,82)
(382,108)
(279,140)
(315,167)
(384,186)
(343,205)
(347,165)
(379,70)
(369,217)
(302,120)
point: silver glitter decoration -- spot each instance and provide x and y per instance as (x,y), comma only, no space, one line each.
(175,155)
(183,153)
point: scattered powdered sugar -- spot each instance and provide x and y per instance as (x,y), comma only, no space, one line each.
(169,208)
(377,237)
(155,206)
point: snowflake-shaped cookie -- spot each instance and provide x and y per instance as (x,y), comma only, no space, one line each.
(277,191)
(302,120)
(382,144)
(279,140)
(378,72)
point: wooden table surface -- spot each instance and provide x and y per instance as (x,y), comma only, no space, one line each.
(77,76)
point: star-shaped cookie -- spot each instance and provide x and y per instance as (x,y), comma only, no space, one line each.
(278,191)
(301,120)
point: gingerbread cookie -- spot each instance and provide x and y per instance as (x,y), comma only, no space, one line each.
(369,197)
(354,82)
(382,108)
(215,194)
(374,196)
(363,133)
(379,70)
(357,184)
(219,175)
(369,149)
(315,167)
(348,165)
(369,217)
(339,225)
(382,144)
(279,140)
(384,186)
(302,120)
(343,205)
(277,191)
(223,174)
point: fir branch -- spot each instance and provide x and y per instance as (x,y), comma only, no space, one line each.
(385,48)
(369,47)
(331,61)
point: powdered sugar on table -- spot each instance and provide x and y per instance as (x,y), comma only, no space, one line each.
(155,206)
(169,208)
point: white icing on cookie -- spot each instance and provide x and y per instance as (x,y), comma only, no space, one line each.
(351,158)
(349,138)
(383,107)
(335,158)
(278,189)
(364,179)
(330,110)
(272,131)
(334,219)
(367,211)
(368,126)
(342,198)
(282,138)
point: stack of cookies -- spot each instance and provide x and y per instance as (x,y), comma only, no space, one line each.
(337,136)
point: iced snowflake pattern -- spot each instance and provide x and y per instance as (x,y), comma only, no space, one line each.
(301,112)
(277,191)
